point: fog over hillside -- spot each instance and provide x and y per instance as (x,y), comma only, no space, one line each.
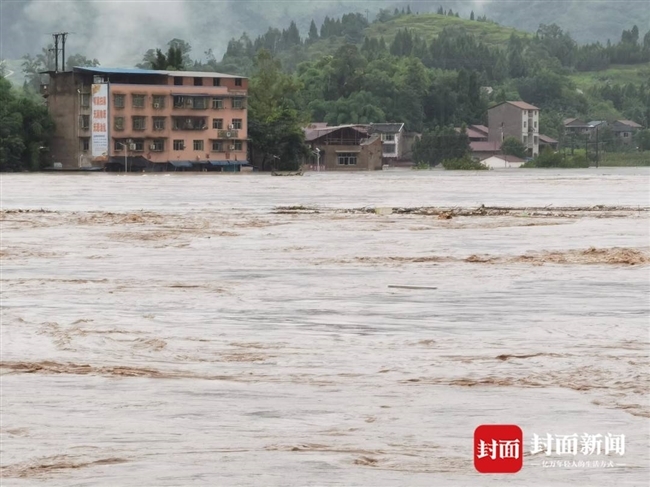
(119,31)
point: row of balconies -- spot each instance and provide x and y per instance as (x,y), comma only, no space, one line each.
(158,145)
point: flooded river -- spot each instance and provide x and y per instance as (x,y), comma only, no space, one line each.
(326,330)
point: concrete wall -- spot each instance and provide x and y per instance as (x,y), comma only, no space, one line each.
(63,102)
(499,163)
(408,141)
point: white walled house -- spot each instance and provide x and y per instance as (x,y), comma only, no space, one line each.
(502,162)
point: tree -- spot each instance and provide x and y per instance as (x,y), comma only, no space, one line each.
(642,139)
(512,146)
(440,144)
(548,158)
(25,130)
(471,15)
(313,33)
(79,60)
(274,125)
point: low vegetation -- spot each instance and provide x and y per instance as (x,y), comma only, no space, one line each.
(465,163)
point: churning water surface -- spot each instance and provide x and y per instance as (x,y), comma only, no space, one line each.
(325,330)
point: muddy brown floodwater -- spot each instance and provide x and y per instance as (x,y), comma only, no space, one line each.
(325,330)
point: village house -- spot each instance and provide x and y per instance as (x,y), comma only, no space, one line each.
(576,126)
(475,133)
(141,119)
(625,130)
(343,148)
(483,149)
(515,119)
(391,140)
(546,142)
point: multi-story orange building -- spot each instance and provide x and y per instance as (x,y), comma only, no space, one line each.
(148,120)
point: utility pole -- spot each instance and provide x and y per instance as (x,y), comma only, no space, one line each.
(597,147)
(63,36)
(56,53)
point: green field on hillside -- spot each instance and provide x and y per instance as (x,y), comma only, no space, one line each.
(429,26)
(618,74)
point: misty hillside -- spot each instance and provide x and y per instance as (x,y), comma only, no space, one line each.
(117,33)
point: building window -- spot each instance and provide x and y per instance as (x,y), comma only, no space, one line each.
(158,101)
(198,145)
(200,103)
(138,101)
(525,139)
(525,112)
(179,144)
(118,145)
(139,123)
(85,100)
(389,148)
(188,123)
(217,103)
(237,81)
(139,145)
(178,80)
(238,145)
(535,124)
(217,146)
(238,103)
(524,124)
(158,145)
(217,123)
(84,122)
(198,81)
(347,159)
(626,135)
(535,140)
(118,101)
(159,123)
(118,123)
(85,144)
(216,81)
(236,123)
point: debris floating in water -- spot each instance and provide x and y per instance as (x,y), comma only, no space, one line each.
(412,287)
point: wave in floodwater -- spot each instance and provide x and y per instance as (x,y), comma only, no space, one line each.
(351,329)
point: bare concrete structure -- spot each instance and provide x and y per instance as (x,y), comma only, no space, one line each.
(515,119)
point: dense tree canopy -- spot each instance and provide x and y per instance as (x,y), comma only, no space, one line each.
(25,130)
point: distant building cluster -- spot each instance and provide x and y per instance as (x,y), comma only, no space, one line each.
(148,120)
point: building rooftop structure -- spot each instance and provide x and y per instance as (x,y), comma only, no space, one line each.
(138,71)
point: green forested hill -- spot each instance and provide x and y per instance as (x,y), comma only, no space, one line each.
(429,26)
